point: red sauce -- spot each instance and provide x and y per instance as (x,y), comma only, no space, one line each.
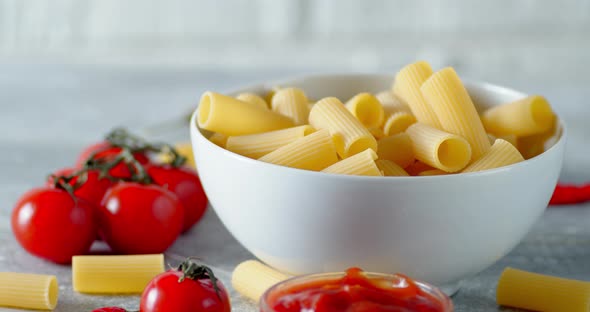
(354,292)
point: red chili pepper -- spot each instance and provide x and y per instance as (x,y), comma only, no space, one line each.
(565,194)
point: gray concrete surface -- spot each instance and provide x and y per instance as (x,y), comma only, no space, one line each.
(49,112)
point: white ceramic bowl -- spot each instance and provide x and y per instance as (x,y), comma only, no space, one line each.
(439,229)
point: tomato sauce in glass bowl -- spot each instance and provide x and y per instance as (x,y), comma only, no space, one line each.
(354,291)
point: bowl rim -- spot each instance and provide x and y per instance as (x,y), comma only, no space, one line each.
(468,83)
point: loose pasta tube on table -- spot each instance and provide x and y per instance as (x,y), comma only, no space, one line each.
(397,148)
(230,116)
(253,99)
(362,163)
(398,122)
(536,292)
(449,99)
(312,152)
(252,278)
(260,144)
(292,103)
(442,150)
(349,134)
(28,291)
(407,87)
(185,150)
(115,274)
(390,169)
(502,153)
(367,109)
(528,116)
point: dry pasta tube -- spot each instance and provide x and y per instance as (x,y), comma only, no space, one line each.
(269,95)
(367,109)
(377,133)
(439,149)
(528,116)
(260,144)
(398,122)
(218,139)
(252,98)
(252,278)
(349,134)
(362,163)
(292,103)
(533,145)
(433,172)
(449,99)
(390,101)
(229,116)
(417,167)
(397,148)
(536,292)
(510,138)
(407,87)
(28,291)
(115,274)
(312,152)
(501,154)
(390,169)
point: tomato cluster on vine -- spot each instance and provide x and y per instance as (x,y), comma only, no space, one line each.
(118,191)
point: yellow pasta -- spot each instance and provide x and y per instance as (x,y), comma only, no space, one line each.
(293,103)
(536,292)
(260,144)
(185,150)
(252,278)
(367,109)
(501,154)
(313,152)
(377,133)
(397,148)
(449,99)
(115,274)
(528,116)
(432,172)
(389,101)
(439,149)
(390,169)
(253,99)
(28,291)
(510,138)
(218,139)
(349,134)
(229,116)
(398,122)
(269,95)
(417,167)
(533,145)
(407,87)
(362,163)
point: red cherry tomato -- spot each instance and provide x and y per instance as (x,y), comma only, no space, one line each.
(50,224)
(109,309)
(140,219)
(92,190)
(104,149)
(167,292)
(185,183)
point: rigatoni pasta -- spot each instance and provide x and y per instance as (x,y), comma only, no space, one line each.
(398,122)
(502,153)
(313,152)
(292,103)
(527,116)
(449,99)
(432,172)
(260,144)
(252,98)
(218,139)
(349,134)
(28,291)
(362,163)
(439,149)
(230,116)
(252,278)
(367,109)
(397,148)
(389,101)
(390,169)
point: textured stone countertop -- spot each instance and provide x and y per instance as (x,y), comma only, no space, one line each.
(49,112)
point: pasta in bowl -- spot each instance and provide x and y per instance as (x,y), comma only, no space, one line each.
(437,227)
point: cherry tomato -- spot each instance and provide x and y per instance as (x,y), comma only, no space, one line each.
(170,292)
(140,219)
(92,190)
(185,183)
(109,309)
(49,223)
(104,149)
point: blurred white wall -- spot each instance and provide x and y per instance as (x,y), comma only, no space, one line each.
(541,40)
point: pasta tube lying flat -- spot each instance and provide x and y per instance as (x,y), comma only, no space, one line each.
(229,116)
(313,152)
(390,169)
(260,144)
(367,109)
(407,87)
(253,99)
(28,291)
(362,163)
(449,99)
(252,278)
(501,154)
(292,103)
(528,116)
(439,149)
